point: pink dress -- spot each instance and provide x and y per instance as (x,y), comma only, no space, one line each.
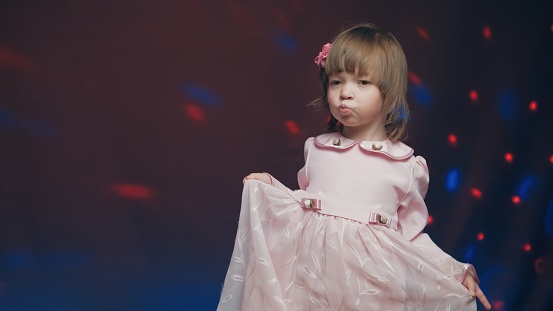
(350,239)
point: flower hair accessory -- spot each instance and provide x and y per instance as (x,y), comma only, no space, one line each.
(320,60)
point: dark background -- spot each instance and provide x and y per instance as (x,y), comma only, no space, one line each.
(126,128)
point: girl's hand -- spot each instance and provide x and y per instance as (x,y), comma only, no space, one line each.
(475,291)
(262,177)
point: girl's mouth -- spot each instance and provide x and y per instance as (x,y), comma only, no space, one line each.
(344,110)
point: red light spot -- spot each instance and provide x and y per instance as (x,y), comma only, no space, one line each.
(533,106)
(423,33)
(480,236)
(194,112)
(498,305)
(281,19)
(414,78)
(473,96)
(133,191)
(452,139)
(487,32)
(515,199)
(292,127)
(527,247)
(509,157)
(239,13)
(539,265)
(11,58)
(551,159)
(430,219)
(476,193)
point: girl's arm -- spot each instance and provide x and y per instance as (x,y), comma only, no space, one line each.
(413,217)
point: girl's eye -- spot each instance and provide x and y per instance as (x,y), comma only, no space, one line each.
(334,82)
(364,82)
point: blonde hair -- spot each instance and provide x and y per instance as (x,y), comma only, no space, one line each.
(365,49)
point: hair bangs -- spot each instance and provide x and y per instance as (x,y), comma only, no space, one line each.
(357,55)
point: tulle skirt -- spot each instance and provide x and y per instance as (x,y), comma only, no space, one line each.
(288,258)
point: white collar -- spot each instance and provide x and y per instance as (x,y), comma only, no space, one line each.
(394,150)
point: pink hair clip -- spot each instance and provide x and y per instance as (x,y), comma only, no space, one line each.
(320,60)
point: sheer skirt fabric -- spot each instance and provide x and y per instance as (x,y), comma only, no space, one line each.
(288,258)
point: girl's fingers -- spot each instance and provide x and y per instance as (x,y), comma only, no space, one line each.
(470,284)
(262,177)
(480,295)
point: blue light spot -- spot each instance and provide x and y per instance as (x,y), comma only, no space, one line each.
(30,126)
(285,41)
(17,260)
(526,186)
(452,179)
(201,94)
(421,94)
(488,276)
(507,104)
(65,260)
(402,113)
(7,119)
(469,253)
(38,128)
(548,219)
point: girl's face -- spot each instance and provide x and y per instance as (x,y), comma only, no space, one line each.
(358,105)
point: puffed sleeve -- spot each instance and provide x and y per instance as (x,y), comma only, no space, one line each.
(303,181)
(413,216)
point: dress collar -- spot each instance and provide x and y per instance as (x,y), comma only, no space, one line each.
(393,150)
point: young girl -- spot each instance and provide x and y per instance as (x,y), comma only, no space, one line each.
(351,238)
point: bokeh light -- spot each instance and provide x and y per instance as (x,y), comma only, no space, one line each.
(498,305)
(533,106)
(194,112)
(476,193)
(201,94)
(487,33)
(423,33)
(473,95)
(133,191)
(421,94)
(452,179)
(452,139)
(413,78)
(527,186)
(507,104)
(480,236)
(292,127)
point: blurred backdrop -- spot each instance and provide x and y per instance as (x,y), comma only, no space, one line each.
(126,128)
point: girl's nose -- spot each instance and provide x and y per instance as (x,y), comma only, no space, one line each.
(346,93)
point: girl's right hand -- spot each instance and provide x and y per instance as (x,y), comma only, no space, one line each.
(262,177)
(470,283)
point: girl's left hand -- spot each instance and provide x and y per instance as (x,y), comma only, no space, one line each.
(475,291)
(262,177)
